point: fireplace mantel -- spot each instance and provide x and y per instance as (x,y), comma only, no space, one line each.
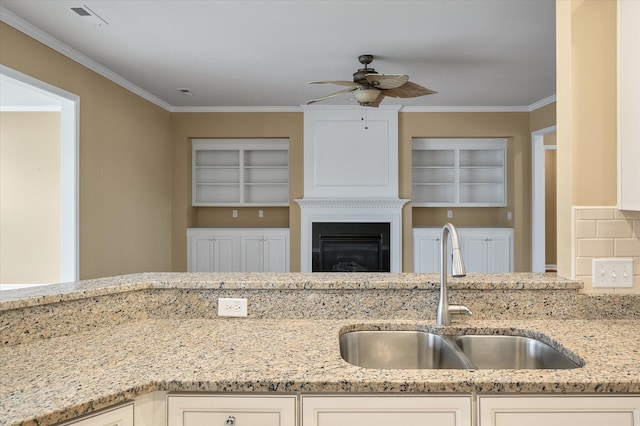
(356,203)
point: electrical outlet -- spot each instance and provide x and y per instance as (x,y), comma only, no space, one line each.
(449,214)
(260,213)
(234,213)
(232,307)
(612,273)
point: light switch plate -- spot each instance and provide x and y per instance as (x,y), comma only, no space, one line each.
(612,273)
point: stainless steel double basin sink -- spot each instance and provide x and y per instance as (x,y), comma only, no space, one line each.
(395,349)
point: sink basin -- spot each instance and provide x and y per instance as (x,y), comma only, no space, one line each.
(497,352)
(391,349)
(398,349)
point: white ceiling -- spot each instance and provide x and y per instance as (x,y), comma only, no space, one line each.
(262,53)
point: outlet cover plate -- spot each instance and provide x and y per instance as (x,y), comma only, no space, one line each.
(612,273)
(232,307)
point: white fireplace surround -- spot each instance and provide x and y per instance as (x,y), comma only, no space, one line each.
(351,172)
(353,210)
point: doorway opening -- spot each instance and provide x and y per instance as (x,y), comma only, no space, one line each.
(543,230)
(23,93)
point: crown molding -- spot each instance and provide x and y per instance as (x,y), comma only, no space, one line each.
(464,109)
(534,106)
(236,109)
(542,102)
(36,33)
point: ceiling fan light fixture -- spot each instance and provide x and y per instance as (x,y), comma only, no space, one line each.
(364,96)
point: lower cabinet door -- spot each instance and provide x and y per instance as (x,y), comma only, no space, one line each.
(118,416)
(214,410)
(386,410)
(560,411)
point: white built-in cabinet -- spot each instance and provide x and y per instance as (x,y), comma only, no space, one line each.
(240,172)
(459,172)
(117,416)
(559,411)
(628,105)
(238,250)
(485,250)
(230,410)
(410,410)
(247,409)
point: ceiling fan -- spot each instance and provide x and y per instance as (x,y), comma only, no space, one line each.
(370,88)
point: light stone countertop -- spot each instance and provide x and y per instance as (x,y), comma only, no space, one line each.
(60,378)
(111,340)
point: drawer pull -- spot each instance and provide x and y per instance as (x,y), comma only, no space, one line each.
(231,421)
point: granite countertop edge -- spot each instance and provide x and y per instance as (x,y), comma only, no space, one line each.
(55,293)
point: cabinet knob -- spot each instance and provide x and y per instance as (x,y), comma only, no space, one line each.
(230,421)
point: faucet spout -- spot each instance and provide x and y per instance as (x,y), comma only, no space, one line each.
(443,315)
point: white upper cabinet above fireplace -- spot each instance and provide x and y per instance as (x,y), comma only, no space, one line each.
(350,152)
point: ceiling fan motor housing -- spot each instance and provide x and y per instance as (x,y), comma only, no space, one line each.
(359,76)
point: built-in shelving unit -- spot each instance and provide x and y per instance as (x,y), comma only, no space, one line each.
(459,172)
(240,172)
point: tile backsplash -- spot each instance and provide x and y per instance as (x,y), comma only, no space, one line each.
(604,232)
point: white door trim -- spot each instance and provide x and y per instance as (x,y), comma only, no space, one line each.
(69,170)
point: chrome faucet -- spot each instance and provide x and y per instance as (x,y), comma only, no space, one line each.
(457,270)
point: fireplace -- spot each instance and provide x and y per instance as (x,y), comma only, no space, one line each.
(352,217)
(350,182)
(350,247)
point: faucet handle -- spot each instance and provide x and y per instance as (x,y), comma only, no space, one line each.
(459,310)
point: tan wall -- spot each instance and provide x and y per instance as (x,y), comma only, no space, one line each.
(515,127)
(29,197)
(125,163)
(543,117)
(185,126)
(594,103)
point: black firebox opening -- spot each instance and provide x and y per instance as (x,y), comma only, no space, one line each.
(350,247)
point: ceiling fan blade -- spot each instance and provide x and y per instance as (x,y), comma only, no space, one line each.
(338,82)
(332,95)
(386,81)
(409,90)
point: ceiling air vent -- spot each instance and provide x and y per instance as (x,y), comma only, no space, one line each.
(186,92)
(89,16)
